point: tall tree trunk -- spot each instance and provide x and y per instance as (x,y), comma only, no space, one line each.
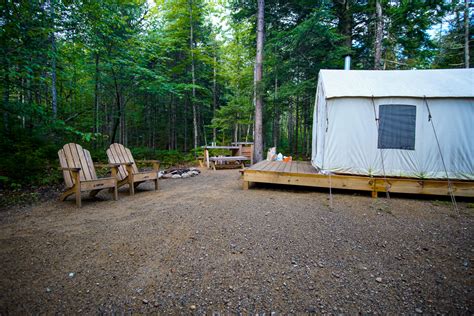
(214,96)
(247,134)
(236,132)
(344,14)
(290,125)
(172,125)
(54,101)
(297,125)
(378,36)
(169,123)
(96,93)
(118,102)
(201,123)
(193,101)
(276,114)
(185,123)
(258,146)
(6,95)
(466,33)
(6,78)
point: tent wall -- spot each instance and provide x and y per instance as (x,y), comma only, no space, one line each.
(346,138)
(319,126)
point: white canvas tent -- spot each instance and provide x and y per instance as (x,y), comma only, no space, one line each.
(378,123)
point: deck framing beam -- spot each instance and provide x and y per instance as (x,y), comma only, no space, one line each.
(361,183)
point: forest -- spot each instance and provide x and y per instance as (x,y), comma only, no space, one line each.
(166,77)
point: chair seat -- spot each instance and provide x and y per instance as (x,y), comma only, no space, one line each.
(98,184)
(145,175)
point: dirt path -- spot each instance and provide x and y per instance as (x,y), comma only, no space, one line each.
(204,245)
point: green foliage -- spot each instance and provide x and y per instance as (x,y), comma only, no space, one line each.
(124,72)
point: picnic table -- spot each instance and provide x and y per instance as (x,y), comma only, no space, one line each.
(239,153)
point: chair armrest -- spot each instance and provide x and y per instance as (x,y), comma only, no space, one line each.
(69,169)
(116,164)
(113,165)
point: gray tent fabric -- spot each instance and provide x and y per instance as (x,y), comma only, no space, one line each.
(348,139)
(397,125)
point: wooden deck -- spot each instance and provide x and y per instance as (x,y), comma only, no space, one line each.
(304,174)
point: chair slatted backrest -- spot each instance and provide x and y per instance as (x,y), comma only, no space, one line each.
(74,156)
(117,153)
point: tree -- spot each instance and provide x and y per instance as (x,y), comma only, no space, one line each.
(258,145)
(165,78)
(378,35)
(466,33)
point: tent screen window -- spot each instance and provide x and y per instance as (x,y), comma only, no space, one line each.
(397,124)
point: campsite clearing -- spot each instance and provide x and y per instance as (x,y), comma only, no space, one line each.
(220,248)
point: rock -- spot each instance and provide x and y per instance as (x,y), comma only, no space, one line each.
(175,176)
(48,290)
(185,175)
(161,174)
(192,307)
(418,311)
(167,176)
(71,274)
(145,301)
(379,279)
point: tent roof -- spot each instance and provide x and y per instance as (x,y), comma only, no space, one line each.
(438,83)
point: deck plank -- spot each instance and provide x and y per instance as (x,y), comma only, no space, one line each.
(259,165)
(308,168)
(268,166)
(276,166)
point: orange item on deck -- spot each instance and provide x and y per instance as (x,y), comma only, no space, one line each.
(287,159)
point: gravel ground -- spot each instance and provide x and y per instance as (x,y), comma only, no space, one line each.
(203,245)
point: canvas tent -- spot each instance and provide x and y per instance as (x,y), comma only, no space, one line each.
(407,123)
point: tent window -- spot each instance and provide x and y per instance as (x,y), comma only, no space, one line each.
(397,124)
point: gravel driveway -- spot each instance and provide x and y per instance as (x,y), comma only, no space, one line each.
(203,245)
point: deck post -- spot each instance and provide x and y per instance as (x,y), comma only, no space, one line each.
(245,185)
(374,194)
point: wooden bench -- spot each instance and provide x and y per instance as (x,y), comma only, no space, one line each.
(220,160)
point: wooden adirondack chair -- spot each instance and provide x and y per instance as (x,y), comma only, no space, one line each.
(128,172)
(79,173)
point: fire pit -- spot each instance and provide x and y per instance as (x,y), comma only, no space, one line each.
(176,173)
